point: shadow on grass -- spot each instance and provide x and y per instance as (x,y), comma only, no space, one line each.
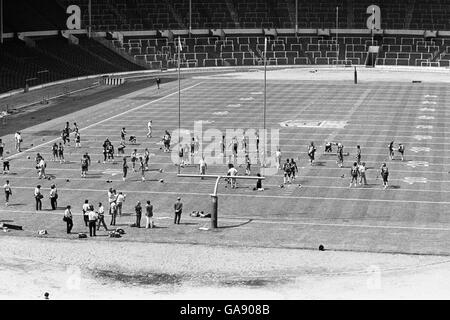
(236,225)
(16,204)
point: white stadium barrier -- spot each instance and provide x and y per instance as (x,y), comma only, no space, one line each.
(114,81)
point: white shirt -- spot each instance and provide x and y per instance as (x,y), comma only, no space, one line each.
(68,214)
(202,163)
(149,125)
(101,210)
(7,188)
(37,191)
(111,197)
(278,154)
(86,208)
(52,192)
(120,198)
(233,172)
(17,137)
(92,215)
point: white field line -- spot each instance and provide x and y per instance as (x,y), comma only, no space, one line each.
(410,155)
(107,119)
(137,178)
(254,221)
(227,126)
(256,196)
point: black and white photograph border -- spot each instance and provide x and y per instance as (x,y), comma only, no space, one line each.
(216,150)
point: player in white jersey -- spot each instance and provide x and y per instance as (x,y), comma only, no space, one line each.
(149,127)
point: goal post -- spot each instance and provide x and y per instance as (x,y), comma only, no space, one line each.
(214,196)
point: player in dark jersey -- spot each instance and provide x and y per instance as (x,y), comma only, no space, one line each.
(146,158)
(384,174)
(65,135)
(84,166)
(55,151)
(294,169)
(123,133)
(77,140)
(61,153)
(192,146)
(110,151)
(287,172)
(247,165)
(391,150)
(340,155)
(358,154)
(311,152)
(134,158)
(354,174)
(158,82)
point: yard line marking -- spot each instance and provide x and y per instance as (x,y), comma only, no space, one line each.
(107,119)
(415,164)
(420,138)
(334,178)
(258,220)
(412,180)
(426,117)
(207,194)
(288,152)
(420,149)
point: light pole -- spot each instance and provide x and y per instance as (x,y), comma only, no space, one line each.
(90,17)
(179,100)
(373,23)
(296,17)
(337,35)
(190,17)
(1,21)
(265,100)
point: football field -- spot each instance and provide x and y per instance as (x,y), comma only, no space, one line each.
(410,216)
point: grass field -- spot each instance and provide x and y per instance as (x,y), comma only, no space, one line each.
(409,217)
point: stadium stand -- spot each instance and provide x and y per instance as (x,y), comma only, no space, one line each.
(138,50)
(19,62)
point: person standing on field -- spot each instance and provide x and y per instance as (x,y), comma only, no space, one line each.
(138,210)
(92,216)
(68,219)
(149,127)
(384,174)
(101,217)
(149,215)
(202,166)
(178,210)
(53,197)
(8,192)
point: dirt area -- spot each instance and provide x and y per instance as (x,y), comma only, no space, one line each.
(86,269)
